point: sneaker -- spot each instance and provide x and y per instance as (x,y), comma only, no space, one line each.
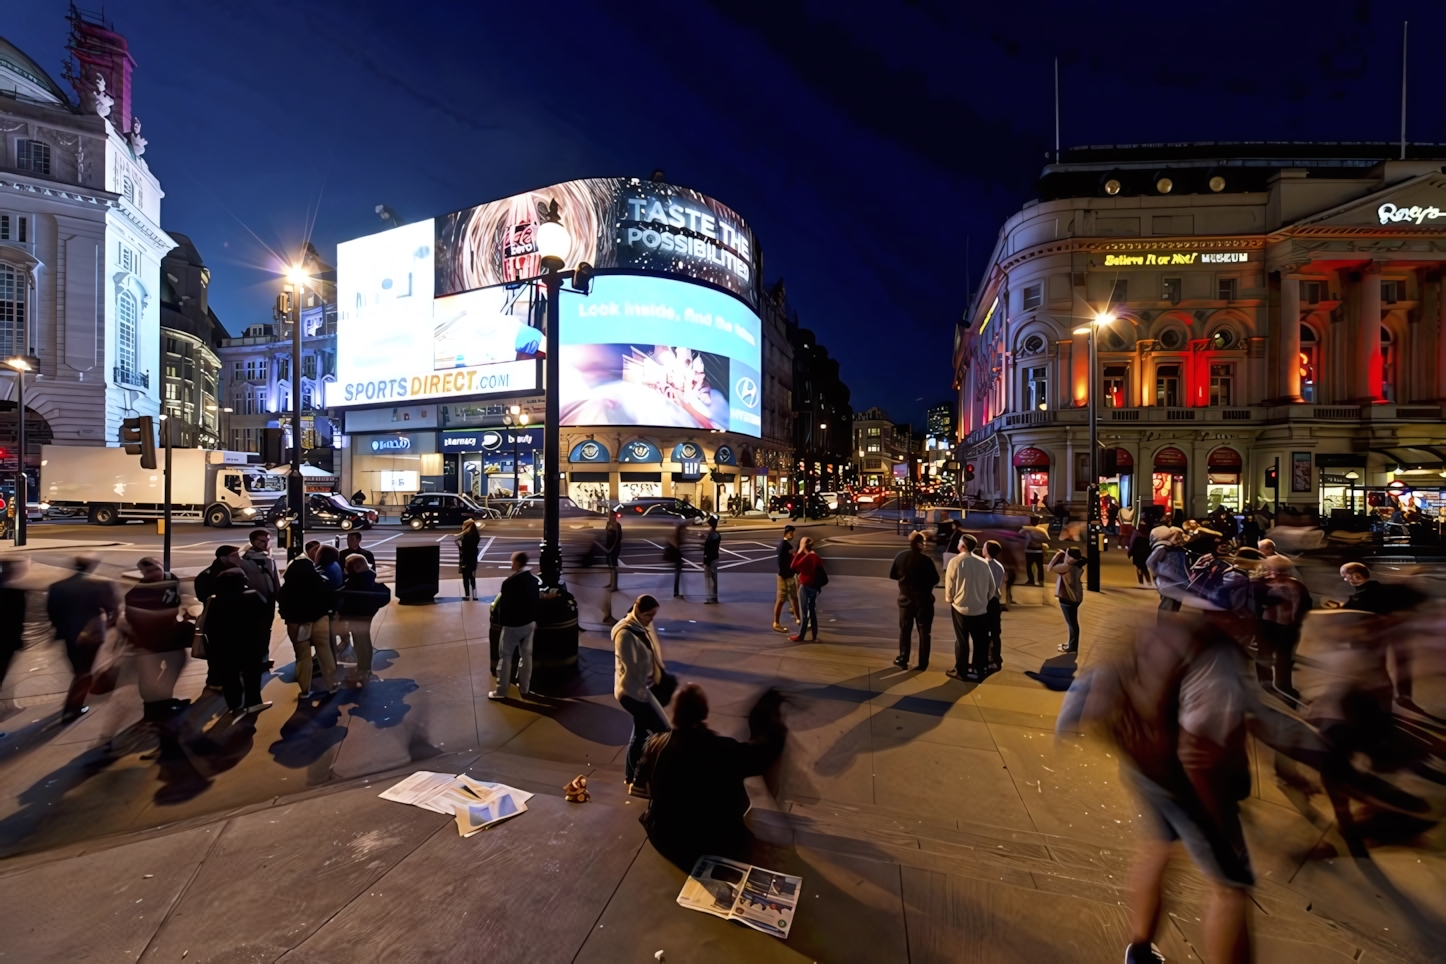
(494,695)
(779,628)
(953,673)
(1143,954)
(972,676)
(993,667)
(902,662)
(259,707)
(638,790)
(921,667)
(795,639)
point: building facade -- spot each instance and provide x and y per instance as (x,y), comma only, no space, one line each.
(679,372)
(882,449)
(1256,308)
(190,335)
(821,414)
(80,245)
(256,375)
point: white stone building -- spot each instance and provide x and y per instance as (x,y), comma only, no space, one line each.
(80,244)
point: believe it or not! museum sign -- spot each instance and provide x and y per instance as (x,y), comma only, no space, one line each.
(1171,258)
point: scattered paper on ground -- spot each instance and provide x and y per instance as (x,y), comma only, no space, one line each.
(762,899)
(475,804)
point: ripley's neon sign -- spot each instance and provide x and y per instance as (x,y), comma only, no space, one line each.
(1389,212)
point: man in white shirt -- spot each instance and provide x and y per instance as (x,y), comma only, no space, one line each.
(968,585)
(992,551)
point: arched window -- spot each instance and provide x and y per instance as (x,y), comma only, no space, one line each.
(1388,365)
(1309,362)
(12,311)
(127,331)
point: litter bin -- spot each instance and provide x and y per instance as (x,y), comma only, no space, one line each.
(418,573)
(554,644)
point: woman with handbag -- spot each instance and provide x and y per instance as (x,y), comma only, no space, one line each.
(811,578)
(468,541)
(641,684)
(306,601)
(235,629)
(1069,589)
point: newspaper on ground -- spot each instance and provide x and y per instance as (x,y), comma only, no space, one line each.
(762,899)
(475,804)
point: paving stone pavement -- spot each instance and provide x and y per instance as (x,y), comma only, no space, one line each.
(931,820)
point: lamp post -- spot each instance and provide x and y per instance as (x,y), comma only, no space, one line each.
(554,244)
(1092,513)
(295,488)
(20,366)
(514,420)
(1351,477)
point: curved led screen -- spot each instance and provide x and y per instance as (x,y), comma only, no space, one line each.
(641,350)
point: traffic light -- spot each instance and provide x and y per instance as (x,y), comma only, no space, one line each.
(968,471)
(138,435)
(1272,477)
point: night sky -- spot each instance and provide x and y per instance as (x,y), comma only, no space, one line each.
(874,148)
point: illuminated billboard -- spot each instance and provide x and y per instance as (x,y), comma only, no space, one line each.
(396,341)
(622,223)
(642,350)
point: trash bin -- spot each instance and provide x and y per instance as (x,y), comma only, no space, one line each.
(418,573)
(554,647)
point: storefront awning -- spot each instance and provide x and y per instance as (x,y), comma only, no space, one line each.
(1170,458)
(1224,457)
(1031,458)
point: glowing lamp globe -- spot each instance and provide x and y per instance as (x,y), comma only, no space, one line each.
(553,244)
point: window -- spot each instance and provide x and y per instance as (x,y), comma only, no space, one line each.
(236,372)
(1311,291)
(1034,344)
(260,400)
(1172,288)
(172,370)
(1220,379)
(128,188)
(32,156)
(1114,385)
(1388,365)
(308,366)
(872,447)
(126,258)
(1309,354)
(283,368)
(12,228)
(306,400)
(126,333)
(12,311)
(173,392)
(1227,289)
(1033,296)
(872,431)
(1172,338)
(1120,293)
(1391,292)
(233,482)
(1167,386)
(1036,381)
(1222,339)
(261,370)
(171,346)
(251,370)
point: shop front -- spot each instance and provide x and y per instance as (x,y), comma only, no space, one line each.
(1120,486)
(1224,469)
(589,483)
(1167,482)
(1032,466)
(642,474)
(494,463)
(390,468)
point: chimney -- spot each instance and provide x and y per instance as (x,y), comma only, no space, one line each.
(98,51)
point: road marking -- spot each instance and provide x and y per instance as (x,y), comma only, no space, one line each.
(487,545)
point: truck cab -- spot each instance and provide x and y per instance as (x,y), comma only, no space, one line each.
(243,495)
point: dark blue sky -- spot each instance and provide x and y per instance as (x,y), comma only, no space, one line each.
(863,142)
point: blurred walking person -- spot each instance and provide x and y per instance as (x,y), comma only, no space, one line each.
(1139,549)
(917,576)
(1385,599)
(613,548)
(711,548)
(234,618)
(469,540)
(1069,590)
(968,584)
(1169,566)
(82,607)
(1035,538)
(306,602)
(12,615)
(153,627)
(673,553)
(809,566)
(360,599)
(952,538)
(787,582)
(1284,603)
(638,669)
(517,603)
(992,552)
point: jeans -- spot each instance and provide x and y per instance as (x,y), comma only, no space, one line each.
(515,638)
(469,582)
(968,628)
(1071,620)
(360,628)
(1275,653)
(995,617)
(810,612)
(1034,562)
(710,578)
(678,578)
(646,722)
(612,572)
(914,612)
(320,641)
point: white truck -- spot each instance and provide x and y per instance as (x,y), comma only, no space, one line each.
(217,488)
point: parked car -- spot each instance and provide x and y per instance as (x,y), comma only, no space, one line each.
(432,509)
(662,507)
(530,507)
(784,505)
(324,510)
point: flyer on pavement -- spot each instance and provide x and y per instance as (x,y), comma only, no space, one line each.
(762,899)
(475,804)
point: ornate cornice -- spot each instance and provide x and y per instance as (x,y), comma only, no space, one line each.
(100,198)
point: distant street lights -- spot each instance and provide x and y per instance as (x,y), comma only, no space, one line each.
(20,366)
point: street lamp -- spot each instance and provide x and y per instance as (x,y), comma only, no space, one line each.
(1351,477)
(20,366)
(554,244)
(1092,517)
(295,490)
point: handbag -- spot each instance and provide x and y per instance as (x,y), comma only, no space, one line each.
(198,637)
(820,577)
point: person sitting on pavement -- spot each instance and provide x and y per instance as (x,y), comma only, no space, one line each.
(360,598)
(696,796)
(917,576)
(235,622)
(517,604)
